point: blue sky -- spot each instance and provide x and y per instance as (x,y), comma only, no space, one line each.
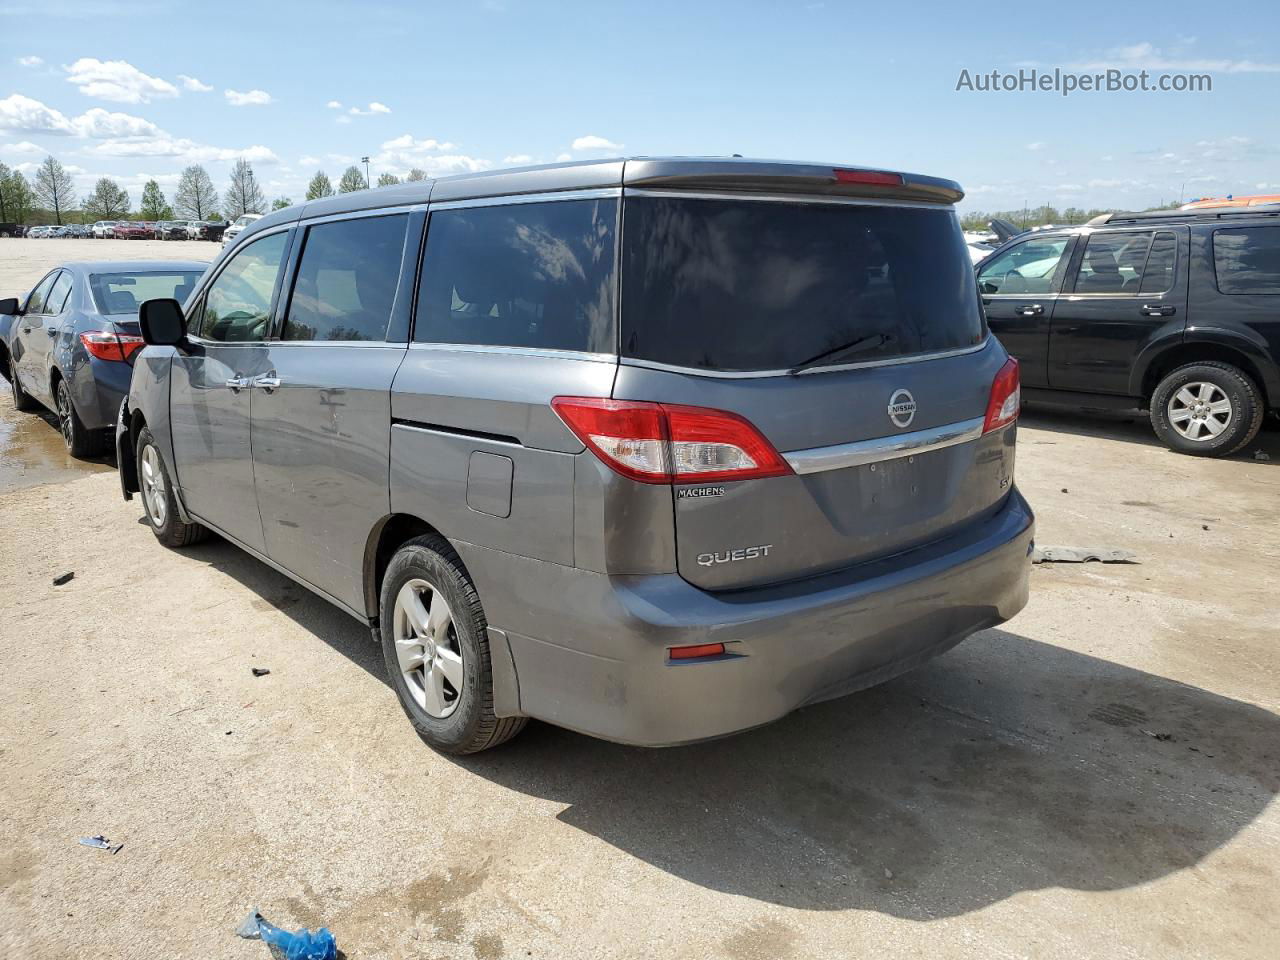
(139,89)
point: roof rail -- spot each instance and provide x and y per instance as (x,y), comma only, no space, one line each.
(1202,213)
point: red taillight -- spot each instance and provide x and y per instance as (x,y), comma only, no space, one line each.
(111,346)
(697,651)
(669,443)
(875,177)
(1006,397)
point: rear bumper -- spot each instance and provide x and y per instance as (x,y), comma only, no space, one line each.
(99,391)
(590,651)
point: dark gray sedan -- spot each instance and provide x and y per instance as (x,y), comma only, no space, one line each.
(69,344)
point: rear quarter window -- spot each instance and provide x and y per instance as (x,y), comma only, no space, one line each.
(1247,260)
(752,285)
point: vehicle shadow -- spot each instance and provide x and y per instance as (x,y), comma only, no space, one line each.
(1132,429)
(1007,765)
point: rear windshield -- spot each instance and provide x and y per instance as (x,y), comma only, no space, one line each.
(743,285)
(124,292)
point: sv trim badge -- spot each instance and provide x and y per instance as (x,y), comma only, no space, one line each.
(902,408)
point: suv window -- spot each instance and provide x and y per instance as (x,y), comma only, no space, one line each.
(1113,263)
(1247,260)
(743,285)
(237,308)
(57,298)
(35,302)
(538,275)
(1033,266)
(1158,275)
(347,279)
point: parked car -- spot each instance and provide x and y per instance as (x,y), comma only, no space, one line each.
(601,512)
(78,230)
(212,230)
(130,230)
(238,226)
(171,230)
(70,344)
(37,233)
(103,229)
(1169,312)
(11,230)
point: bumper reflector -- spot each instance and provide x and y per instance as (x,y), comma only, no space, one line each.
(697,651)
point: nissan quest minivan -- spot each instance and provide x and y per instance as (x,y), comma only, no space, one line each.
(653,449)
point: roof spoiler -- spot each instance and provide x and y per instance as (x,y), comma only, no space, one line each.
(1003,229)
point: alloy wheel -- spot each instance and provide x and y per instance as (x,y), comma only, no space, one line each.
(65,422)
(153,488)
(1200,411)
(427,648)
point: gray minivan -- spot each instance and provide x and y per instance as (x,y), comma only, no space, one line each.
(654,449)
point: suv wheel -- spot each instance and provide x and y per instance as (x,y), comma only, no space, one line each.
(21,399)
(158,499)
(81,442)
(436,648)
(1207,409)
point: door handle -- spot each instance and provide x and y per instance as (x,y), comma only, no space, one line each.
(26,329)
(1030,310)
(266,384)
(236,384)
(51,331)
(1158,310)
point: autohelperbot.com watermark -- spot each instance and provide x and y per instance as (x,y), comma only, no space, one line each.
(1067,82)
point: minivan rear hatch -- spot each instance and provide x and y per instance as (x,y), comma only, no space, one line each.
(840,327)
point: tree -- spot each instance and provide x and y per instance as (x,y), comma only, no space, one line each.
(279,203)
(319,186)
(154,205)
(352,180)
(108,201)
(196,199)
(417,173)
(387,180)
(18,197)
(243,193)
(6,202)
(54,188)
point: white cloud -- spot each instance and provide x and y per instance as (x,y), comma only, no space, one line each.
(1038,145)
(437,157)
(518,159)
(376,107)
(105,125)
(194,85)
(249,98)
(592,142)
(117,80)
(22,147)
(30,61)
(188,151)
(373,108)
(564,157)
(334,105)
(1146,56)
(24,115)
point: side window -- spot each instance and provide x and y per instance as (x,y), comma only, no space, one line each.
(35,302)
(347,279)
(57,298)
(1032,266)
(1247,260)
(1158,276)
(238,306)
(538,275)
(1113,263)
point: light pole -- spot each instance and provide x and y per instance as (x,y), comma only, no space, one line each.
(367,183)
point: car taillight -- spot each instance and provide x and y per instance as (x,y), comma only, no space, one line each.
(670,443)
(106,345)
(1006,397)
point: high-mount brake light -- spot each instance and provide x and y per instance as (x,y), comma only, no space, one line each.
(670,443)
(106,345)
(876,177)
(1006,397)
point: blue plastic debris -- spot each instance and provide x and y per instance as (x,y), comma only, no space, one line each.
(301,945)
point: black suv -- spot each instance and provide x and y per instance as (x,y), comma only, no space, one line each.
(1176,312)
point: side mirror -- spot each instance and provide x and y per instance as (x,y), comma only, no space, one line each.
(10,305)
(162,323)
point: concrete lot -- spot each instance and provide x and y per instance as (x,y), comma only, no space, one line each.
(1095,779)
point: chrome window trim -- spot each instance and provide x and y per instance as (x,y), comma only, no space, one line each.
(361,214)
(399,345)
(517,351)
(785,198)
(549,196)
(785,371)
(843,455)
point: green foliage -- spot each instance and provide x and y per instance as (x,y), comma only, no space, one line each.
(1033,216)
(387,179)
(108,200)
(154,205)
(417,173)
(279,203)
(352,180)
(319,186)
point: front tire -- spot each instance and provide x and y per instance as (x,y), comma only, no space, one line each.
(22,400)
(81,442)
(436,647)
(1207,409)
(159,503)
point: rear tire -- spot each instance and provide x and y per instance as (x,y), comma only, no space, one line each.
(21,399)
(444,682)
(81,442)
(1207,409)
(159,503)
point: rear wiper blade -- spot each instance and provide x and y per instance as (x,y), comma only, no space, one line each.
(865,342)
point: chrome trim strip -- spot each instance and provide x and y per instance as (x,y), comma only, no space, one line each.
(784,198)
(855,454)
(361,214)
(782,372)
(546,196)
(517,351)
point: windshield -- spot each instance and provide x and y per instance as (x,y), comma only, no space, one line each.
(120,293)
(749,285)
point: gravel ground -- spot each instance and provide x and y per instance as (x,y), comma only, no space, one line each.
(1095,779)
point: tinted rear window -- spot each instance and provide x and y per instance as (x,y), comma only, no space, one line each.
(1247,260)
(762,285)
